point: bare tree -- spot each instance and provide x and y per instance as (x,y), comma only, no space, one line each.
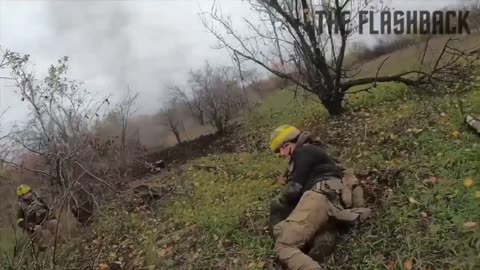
(196,110)
(215,95)
(291,42)
(58,130)
(171,118)
(125,110)
(218,93)
(6,148)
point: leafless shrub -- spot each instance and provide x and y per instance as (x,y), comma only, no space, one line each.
(194,104)
(215,95)
(218,91)
(171,118)
(125,110)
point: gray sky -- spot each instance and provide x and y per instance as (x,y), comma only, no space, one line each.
(111,43)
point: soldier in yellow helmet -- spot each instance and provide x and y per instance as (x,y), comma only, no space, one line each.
(34,216)
(315,185)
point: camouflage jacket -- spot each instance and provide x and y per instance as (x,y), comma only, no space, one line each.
(33,213)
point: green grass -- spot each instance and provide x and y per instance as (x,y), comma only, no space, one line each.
(9,244)
(405,132)
(416,138)
(218,219)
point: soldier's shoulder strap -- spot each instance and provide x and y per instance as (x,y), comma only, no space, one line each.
(41,201)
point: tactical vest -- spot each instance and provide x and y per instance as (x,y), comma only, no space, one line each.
(35,212)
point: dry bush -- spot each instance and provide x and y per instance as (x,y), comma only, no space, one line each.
(59,150)
(171,118)
(117,138)
(216,95)
(59,130)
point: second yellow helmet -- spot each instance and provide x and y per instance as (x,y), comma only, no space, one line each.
(23,189)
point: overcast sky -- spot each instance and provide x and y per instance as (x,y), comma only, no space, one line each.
(145,44)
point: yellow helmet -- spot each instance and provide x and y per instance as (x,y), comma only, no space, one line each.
(23,189)
(281,135)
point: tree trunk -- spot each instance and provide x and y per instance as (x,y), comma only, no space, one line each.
(200,117)
(334,104)
(177,136)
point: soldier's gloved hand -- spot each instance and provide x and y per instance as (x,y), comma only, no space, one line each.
(281,180)
(292,193)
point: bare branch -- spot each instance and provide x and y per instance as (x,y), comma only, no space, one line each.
(96,177)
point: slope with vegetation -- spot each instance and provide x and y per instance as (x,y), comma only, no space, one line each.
(411,150)
(209,209)
(416,151)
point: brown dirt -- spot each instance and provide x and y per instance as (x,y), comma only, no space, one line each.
(178,154)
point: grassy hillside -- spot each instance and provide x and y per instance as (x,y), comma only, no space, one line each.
(416,158)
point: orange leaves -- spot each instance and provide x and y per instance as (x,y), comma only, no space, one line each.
(471,226)
(103,266)
(456,134)
(468,182)
(433,180)
(408,264)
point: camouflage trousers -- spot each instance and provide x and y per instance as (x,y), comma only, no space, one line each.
(312,212)
(43,235)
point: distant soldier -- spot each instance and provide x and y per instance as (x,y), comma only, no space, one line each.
(34,216)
